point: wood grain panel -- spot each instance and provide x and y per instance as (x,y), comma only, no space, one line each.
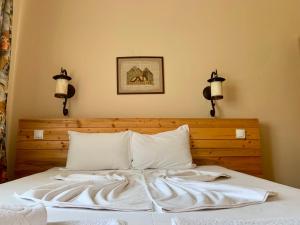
(37,144)
(197,153)
(133,122)
(225,143)
(47,155)
(212,140)
(55,145)
(249,164)
(196,133)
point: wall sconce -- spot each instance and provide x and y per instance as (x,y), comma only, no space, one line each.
(63,88)
(214,91)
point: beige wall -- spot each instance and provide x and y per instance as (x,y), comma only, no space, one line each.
(254,43)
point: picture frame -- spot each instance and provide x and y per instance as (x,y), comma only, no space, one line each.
(140,75)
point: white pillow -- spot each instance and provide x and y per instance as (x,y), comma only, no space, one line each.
(168,150)
(98,151)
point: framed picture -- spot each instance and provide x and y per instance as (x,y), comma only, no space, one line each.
(140,75)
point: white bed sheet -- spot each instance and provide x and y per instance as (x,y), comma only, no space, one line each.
(285,204)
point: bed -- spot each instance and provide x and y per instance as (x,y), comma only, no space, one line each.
(214,146)
(286,204)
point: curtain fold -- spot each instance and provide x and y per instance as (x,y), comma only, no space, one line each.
(6,12)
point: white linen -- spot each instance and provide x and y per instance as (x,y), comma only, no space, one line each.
(166,150)
(174,191)
(191,175)
(92,177)
(23,215)
(177,194)
(285,204)
(107,190)
(273,221)
(98,151)
(90,222)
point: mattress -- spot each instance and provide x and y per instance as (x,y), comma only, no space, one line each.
(285,204)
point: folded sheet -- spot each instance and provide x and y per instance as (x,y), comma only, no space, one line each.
(23,215)
(190,175)
(123,191)
(91,177)
(180,194)
(90,222)
(161,190)
(272,221)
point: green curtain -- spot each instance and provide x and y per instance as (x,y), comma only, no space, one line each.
(6,12)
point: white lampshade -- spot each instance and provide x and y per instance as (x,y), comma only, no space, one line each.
(61,87)
(216,90)
(62,84)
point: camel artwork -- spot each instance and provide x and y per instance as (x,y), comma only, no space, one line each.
(136,76)
(140,75)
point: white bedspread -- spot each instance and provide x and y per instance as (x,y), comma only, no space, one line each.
(113,190)
(188,175)
(190,191)
(168,190)
(273,221)
(90,222)
(23,215)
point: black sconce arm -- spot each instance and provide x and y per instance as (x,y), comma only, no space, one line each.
(63,71)
(65,110)
(214,73)
(207,91)
(212,111)
(71,93)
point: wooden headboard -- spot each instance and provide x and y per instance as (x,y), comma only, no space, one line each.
(213,141)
